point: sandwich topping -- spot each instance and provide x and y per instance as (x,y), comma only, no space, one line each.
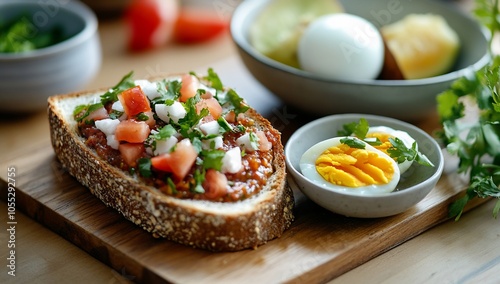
(188,137)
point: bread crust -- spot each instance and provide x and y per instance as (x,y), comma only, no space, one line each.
(202,224)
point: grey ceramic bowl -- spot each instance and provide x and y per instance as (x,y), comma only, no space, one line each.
(402,99)
(28,79)
(413,186)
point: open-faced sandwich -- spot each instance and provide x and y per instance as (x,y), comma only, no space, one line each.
(184,157)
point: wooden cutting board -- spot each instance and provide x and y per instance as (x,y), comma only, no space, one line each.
(318,247)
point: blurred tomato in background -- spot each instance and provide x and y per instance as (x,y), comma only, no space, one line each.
(153,23)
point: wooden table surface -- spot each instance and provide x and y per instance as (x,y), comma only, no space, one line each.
(454,252)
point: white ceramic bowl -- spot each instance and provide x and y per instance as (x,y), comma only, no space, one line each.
(413,186)
(402,99)
(28,79)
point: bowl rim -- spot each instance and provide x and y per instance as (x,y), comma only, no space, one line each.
(239,35)
(393,194)
(77,8)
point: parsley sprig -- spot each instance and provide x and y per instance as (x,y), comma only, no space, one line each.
(475,140)
(356,132)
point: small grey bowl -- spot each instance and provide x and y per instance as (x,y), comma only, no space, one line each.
(414,185)
(27,79)
(402,99)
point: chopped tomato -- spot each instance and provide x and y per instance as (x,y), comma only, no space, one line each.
(198,25)
(231,117)
(189,86)
(212,105)
(151,22)
(178,162)
(264,144)
(132,131)
(215,184)
(134,101)
(131,152)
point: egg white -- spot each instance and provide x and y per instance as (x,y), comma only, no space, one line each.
(308,169)
(403,136)
(341,46)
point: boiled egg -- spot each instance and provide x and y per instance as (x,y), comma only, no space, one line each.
(383,133)
(337,166)
(342,46)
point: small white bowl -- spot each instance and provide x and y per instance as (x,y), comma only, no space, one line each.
(27,79)
(414,185)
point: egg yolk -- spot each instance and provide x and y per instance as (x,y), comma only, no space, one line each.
(384,138)
(351,167)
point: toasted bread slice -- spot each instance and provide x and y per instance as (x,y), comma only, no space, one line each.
(215,226)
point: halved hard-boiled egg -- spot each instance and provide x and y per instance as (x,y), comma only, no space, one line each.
(343,168)
(384,133)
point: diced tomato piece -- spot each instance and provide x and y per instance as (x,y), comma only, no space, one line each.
(132,131)
(151,23)
(189,86)
(230,117)
(179,162)
(197,25)
(212,105)
(264,144)
(215,184)
(131,152)
(134,101)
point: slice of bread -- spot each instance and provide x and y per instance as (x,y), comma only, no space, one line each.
(215,226)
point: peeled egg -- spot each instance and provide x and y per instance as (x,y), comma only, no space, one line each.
(342,46)
(337,166)
(383,133)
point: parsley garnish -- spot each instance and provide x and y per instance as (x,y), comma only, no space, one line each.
(199,177)
(398,151)
(82,111)
(125,83)
(212,159)
(214,80)
(144,165)
(353,142)
(476,143)
(170,92)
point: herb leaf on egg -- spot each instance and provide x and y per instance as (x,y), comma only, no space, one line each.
(356,133)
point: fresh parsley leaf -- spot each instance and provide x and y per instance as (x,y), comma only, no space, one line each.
(237,103)
(144,165)
(169,90)
(358,129)
(224,124)
(199,177)
(479,138)
(353,142)
(164,132)
(171,185)
(82,111)
(214,80)
(401,153)
(212,159)
(125,83)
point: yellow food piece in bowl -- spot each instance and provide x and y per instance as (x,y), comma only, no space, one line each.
(351,167)
(424,45)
